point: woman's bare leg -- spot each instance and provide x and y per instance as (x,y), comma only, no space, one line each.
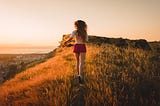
(77,62)
(81,64)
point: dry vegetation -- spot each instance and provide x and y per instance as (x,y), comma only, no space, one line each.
(114,76)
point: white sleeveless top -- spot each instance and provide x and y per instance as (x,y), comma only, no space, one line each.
(78,39)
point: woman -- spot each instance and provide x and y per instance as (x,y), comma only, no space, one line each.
(81,37)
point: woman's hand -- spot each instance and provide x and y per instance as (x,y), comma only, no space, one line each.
(64,44)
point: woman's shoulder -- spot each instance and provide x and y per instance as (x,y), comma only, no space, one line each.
(74,32)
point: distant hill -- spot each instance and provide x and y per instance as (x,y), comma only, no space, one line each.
(119,72)
(155,46)
(119,42)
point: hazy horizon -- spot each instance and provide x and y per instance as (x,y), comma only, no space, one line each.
(25,49)
(43,22)
(24,45)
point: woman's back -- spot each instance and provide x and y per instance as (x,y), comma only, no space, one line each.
(78,39)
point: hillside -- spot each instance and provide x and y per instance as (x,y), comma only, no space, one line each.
(114,75)
(12,64)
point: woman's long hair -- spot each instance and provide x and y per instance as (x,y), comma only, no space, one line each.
(81,29)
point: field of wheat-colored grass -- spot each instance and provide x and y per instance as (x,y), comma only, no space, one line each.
(113,77)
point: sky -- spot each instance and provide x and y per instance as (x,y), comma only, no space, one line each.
(43,22)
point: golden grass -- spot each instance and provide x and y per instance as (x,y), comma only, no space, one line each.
(113,76)
(50,69)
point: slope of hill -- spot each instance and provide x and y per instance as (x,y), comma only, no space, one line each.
(113,76)
(12,64)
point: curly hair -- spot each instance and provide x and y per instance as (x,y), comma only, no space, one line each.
(81,29)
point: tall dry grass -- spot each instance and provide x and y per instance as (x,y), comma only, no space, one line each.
(113,77)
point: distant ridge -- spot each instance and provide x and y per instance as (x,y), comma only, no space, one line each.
(120,42)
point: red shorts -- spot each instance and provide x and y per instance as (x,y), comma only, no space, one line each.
(79,48)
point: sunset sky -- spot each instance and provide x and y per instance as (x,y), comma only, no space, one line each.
(43,22)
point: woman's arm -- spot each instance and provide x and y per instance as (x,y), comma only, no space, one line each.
(67,41)
(70,38)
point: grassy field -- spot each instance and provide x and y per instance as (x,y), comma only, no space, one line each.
(114,76)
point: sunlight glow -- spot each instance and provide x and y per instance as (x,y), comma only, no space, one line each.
(43,22)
